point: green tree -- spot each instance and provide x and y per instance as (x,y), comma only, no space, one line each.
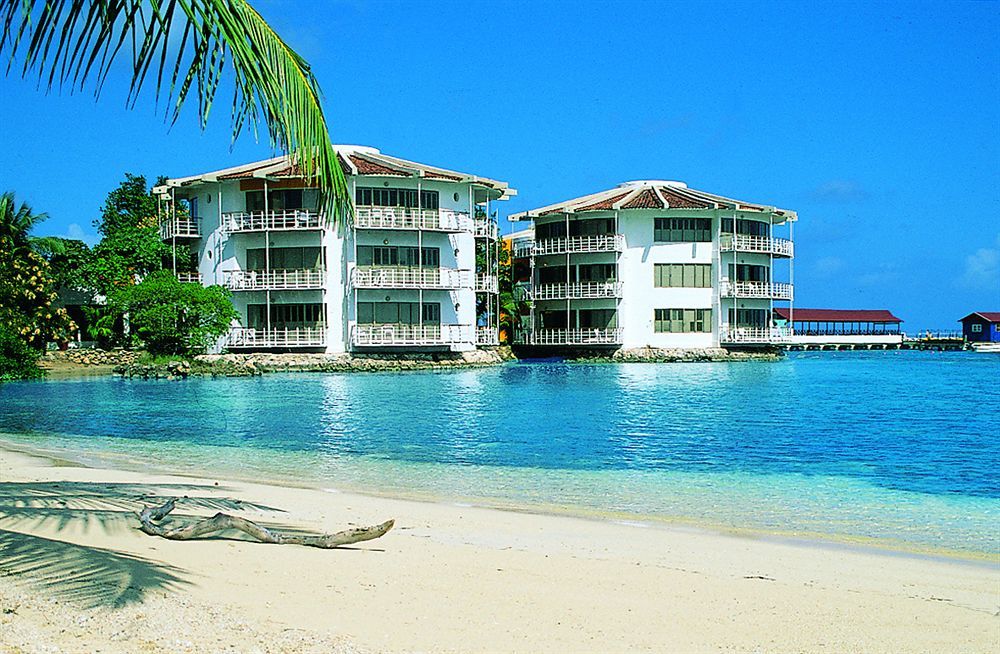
(16,225)
(174,318)
(185,46)
(17,359)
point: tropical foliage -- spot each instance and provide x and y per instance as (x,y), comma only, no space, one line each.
(170,317)
(182,46)
(512,305)
(17,358)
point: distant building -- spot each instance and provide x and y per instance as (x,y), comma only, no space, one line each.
(841,327)
(981,327)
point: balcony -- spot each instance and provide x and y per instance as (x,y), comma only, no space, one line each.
(425,278)
(754,335)
(248,337)
(486,283)
(486,228)
(275,280)
(779,247)
(180,228)
(579,244)
(576,337)
(236,222)
(522,249)
(432,220)
(577,291)
(487,336)
(410,335)
(188,278)
(760,290)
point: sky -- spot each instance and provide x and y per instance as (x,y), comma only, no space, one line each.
(879,123)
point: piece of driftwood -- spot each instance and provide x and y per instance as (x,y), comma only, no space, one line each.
(150,515)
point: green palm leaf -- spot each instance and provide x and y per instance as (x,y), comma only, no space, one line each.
(184,46)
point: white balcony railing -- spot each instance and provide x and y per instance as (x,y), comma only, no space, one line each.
(234,222)
(486,228)
(764,290)
(276,280)
(577,290)
(410,335)
(573,244)
(486,283)
(248,337)
(436,220)
(576,336)
(752,335)
(426,278)
(522,249)
(188,278)
(487,336)
(180,228)
(781,247)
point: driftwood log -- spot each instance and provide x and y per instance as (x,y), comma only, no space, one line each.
(150,515)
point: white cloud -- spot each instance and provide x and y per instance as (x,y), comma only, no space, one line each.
(77,233)
(982,269)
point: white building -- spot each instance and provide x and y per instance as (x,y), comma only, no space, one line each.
(411,267)
(656,264)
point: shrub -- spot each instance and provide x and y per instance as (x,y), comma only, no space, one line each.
(18,360)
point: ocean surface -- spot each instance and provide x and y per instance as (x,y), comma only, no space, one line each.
(900,449)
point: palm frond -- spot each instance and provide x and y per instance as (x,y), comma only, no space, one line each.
(71,43)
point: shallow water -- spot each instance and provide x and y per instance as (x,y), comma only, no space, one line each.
(902,447)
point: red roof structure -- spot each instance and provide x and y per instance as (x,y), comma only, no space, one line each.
(837,315)
(988,316)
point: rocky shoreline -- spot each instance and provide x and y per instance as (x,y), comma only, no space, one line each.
(660,355)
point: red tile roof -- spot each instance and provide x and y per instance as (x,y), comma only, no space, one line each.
(368,167)
(677,201)
(607,203)
(988,316)
(837,315)
(645,199)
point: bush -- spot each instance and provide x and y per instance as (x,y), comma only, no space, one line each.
(18,360)
(170,317)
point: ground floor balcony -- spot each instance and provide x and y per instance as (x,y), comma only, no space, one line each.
(611,336)
(579,244)
(754,335)
(236,222)
(411,218)
(779,247)
(275,280)
(419,278)
(180,228)
(397,335)
(188,277)
(760,290)
(487,336)
(486,228)
(486,283)
(250,337)
(577,291)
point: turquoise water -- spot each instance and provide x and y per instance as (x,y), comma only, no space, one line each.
(902,447)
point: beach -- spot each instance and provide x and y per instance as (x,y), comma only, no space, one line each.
(448,578)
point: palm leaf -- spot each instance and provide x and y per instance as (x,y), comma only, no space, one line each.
(75,42)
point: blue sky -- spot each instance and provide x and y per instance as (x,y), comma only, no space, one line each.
(878,123)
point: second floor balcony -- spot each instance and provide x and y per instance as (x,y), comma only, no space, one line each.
(180,227)
(760,290)
(399,335)
(582,336)
(522,249)
(410,218)
(276,280)
(578,244)
(188,277)
(236,222)
(486,283)
(779,247)
(577,291)
(420,278)
(310,336)
(486,228)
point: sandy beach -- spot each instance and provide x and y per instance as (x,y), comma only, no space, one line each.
(77,575)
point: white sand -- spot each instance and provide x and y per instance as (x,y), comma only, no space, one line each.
(451,578)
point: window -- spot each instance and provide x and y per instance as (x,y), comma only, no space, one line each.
(285,316)
(282,199)
(393,255)
(682,230)
(284,258)
(591,227)
(749,273)
(398,313)
(597,318)
(682,275)
(748,227)
(757,318)
(977,329)
(682,320)
(550,230)
(396,197)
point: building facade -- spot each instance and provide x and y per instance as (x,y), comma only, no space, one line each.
(981,327)
(656,264)
(411,265)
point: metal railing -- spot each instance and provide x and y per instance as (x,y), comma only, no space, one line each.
(246,337)
(486,283)
(412,335)
(765,290)
(438,220)
(573,244)
(577,290)
(486,228)
(750,335)
(487,336)
(234,222)
(433,278)
(255,280)
(576,336)
(522,249)
(180,228)
(781,247)
(188,278)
